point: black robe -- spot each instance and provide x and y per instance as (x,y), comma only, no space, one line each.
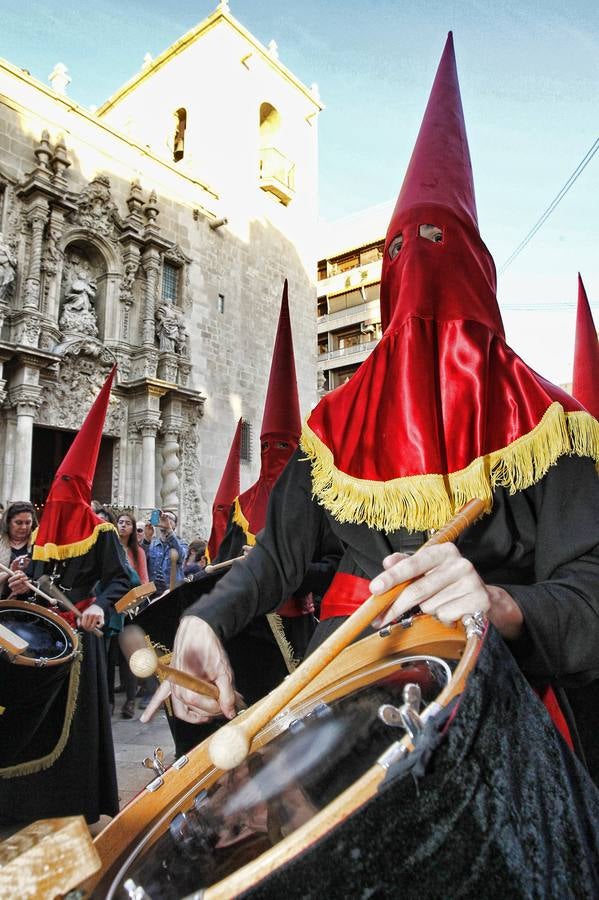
(82,781)
(257,660)
(541,545)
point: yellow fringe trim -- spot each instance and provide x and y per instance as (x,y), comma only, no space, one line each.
(240,520)
(45,762)
(276,626)
(421,502)
(69,551)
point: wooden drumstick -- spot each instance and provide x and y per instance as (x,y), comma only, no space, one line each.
(58,597)
(216,567)
(230,745)
(144,663)
(174,558)
(12,642)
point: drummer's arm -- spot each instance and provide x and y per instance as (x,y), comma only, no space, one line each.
(271,572)
(295,527)
(560,640)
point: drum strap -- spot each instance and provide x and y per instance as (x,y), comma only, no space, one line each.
(345,594)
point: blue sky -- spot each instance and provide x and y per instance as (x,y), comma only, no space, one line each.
(529,73)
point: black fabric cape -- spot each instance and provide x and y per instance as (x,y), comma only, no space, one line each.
(500,809)
(82,781)
(541,545)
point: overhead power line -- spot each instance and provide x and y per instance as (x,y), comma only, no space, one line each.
(558,197)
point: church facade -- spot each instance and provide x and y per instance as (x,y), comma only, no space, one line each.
(154,232)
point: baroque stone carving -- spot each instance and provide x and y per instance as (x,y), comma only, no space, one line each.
(97,210)
(83,370)
(27,331)
(78,313)
(192,504)
(170,327)
(8,269)
(169,490)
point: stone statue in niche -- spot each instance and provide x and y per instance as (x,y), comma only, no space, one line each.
(8,268)
(78,313)
(170,328)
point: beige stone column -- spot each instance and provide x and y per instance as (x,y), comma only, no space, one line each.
(169,489)
(8,462)
(26,401)
(37,216)
(151,265)
(148,429)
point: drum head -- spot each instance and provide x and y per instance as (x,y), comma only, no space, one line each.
(326,747)
(46,639)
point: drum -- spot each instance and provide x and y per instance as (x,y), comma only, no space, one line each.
(38,688)
(195,829)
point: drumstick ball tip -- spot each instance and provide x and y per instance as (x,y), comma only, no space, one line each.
(143,662)
(229,747)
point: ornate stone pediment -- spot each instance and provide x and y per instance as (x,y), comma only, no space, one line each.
(97,210)
(84,367)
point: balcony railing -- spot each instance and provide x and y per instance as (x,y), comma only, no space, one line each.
(277,174)
(364,346)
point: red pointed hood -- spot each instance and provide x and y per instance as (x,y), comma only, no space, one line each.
(281,426)
(68,526)
(281,408)
(226,493)
(440,171)
(585,379)
(442,410)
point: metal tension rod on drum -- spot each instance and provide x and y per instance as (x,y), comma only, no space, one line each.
(59,598)
(230,745)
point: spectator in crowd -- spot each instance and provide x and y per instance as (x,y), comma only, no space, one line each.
(195,561)
(136,557)
(159,554)
(103,512)
(145,535)
(18,521)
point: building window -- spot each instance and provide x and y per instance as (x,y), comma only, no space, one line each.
(170,281)
(179,142)
(221,303)
(246,441)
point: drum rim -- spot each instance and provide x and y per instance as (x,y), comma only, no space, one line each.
(139,816)
(279,725)
(58,621)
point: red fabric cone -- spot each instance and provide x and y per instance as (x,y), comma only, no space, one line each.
(226,493)
(442,410)
(585,379)
(68,526)
(281,423)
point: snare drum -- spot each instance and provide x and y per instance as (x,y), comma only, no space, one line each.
(195,827)
(38,688)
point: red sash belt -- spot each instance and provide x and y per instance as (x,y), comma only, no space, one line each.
(70,616)
(345,594)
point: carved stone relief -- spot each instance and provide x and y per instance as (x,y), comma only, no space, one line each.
(8,269)
(84,368)
(194,509)
(78,293)
(97,210)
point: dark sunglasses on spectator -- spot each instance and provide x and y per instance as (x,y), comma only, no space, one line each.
(140,530)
